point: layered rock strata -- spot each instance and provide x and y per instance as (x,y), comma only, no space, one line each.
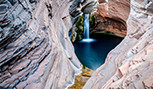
(82,6)
(35,49)
(111,17)
(109,26)
(115,9)
(130,64)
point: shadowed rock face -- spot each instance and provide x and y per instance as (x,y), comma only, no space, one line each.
(130,64)
(82,6)
(108,25)
(35,50)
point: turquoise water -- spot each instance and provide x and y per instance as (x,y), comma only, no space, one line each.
(93,54)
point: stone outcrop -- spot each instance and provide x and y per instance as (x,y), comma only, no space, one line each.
(35,49)
(130,64)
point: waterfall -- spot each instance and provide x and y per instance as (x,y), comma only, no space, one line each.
(86,26)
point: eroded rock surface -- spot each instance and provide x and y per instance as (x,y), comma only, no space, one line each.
(130,64)
(82,6)
(111,17)
(115,9)
(109,26)
(35,50)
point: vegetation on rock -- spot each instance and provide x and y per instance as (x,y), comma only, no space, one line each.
(81,79)
(92,21)
(78,30)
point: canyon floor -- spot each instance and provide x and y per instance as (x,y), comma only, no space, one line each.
(81,79)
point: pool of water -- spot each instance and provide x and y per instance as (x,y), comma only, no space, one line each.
(93,54)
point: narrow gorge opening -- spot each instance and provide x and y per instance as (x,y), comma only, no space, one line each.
(93,42)
(92,45)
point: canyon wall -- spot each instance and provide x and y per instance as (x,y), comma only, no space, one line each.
(111,17)
(115,9)
(35,49)
(130,64)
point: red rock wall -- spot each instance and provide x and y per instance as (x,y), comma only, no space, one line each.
(110,26)
(115,9)
(111,17)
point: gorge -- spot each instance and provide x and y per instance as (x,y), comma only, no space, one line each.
(93,48)
(36,51)
(92,52)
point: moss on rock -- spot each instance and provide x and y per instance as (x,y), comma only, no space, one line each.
(78,29)
(81,79)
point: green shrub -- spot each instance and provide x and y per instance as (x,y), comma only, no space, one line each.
(92,21)
(83,66)
(79,28)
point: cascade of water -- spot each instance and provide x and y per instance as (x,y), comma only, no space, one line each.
(86,26)
(87,29)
